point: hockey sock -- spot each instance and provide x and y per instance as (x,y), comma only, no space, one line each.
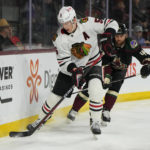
(110,99)
(45,108)
(49,103)
(79,101)
(95,108)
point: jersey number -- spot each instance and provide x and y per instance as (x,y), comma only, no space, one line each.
(98,20)
(142,52)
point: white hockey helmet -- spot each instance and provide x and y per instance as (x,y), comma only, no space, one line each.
(66,14)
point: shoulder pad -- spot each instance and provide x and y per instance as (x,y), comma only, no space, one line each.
(84,20)
(54,37)
(133,43)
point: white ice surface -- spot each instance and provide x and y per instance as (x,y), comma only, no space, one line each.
(128,130)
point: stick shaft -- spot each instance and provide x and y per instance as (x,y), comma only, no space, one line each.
(110,83)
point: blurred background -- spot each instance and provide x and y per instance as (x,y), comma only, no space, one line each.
(35,21)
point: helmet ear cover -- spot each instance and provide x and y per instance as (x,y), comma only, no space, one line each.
(66,14)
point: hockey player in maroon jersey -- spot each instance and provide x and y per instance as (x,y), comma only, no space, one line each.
(115,64)
(77,49)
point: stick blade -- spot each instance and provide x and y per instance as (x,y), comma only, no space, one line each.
(20,134)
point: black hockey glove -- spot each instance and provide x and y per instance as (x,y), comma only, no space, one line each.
(145,71)
(77,76)
(107,81)
(107,44)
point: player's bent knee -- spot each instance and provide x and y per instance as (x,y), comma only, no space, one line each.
(52,99)
(95,89)
(113,93)
(83,96)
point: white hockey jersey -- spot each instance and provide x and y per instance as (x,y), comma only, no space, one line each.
(87,30)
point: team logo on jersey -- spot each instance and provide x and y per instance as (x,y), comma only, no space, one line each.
(133,44)
(80,50)
(54,37)
(83,20)
(117,64)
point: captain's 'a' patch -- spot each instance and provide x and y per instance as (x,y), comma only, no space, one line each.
(133,44)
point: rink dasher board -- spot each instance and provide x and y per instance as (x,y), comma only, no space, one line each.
(26,81)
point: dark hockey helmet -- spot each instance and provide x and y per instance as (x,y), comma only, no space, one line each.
(122,29)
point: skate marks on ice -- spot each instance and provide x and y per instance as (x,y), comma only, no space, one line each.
(129,129)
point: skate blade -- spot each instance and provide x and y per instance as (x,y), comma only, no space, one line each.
(95,137)
(103,124)
(69,121)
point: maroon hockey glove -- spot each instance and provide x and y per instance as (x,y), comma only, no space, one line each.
(107,44)
(145,71)
(77,76)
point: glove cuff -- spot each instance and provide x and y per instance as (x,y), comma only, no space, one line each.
(71,66)
(108,76)
(107,70)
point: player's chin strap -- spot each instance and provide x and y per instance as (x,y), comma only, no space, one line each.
(43,121)
(111,82)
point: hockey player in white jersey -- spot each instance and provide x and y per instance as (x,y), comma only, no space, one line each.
(77,49)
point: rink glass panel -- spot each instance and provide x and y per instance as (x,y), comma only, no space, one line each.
(35,21)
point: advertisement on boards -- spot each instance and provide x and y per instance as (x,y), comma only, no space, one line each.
(26,80)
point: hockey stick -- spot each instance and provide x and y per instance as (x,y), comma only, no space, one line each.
(110,82)
(125,78)
(43,121)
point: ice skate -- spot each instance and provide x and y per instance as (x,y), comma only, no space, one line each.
(105,117)
(31,127)
(95,127)
(72,115)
